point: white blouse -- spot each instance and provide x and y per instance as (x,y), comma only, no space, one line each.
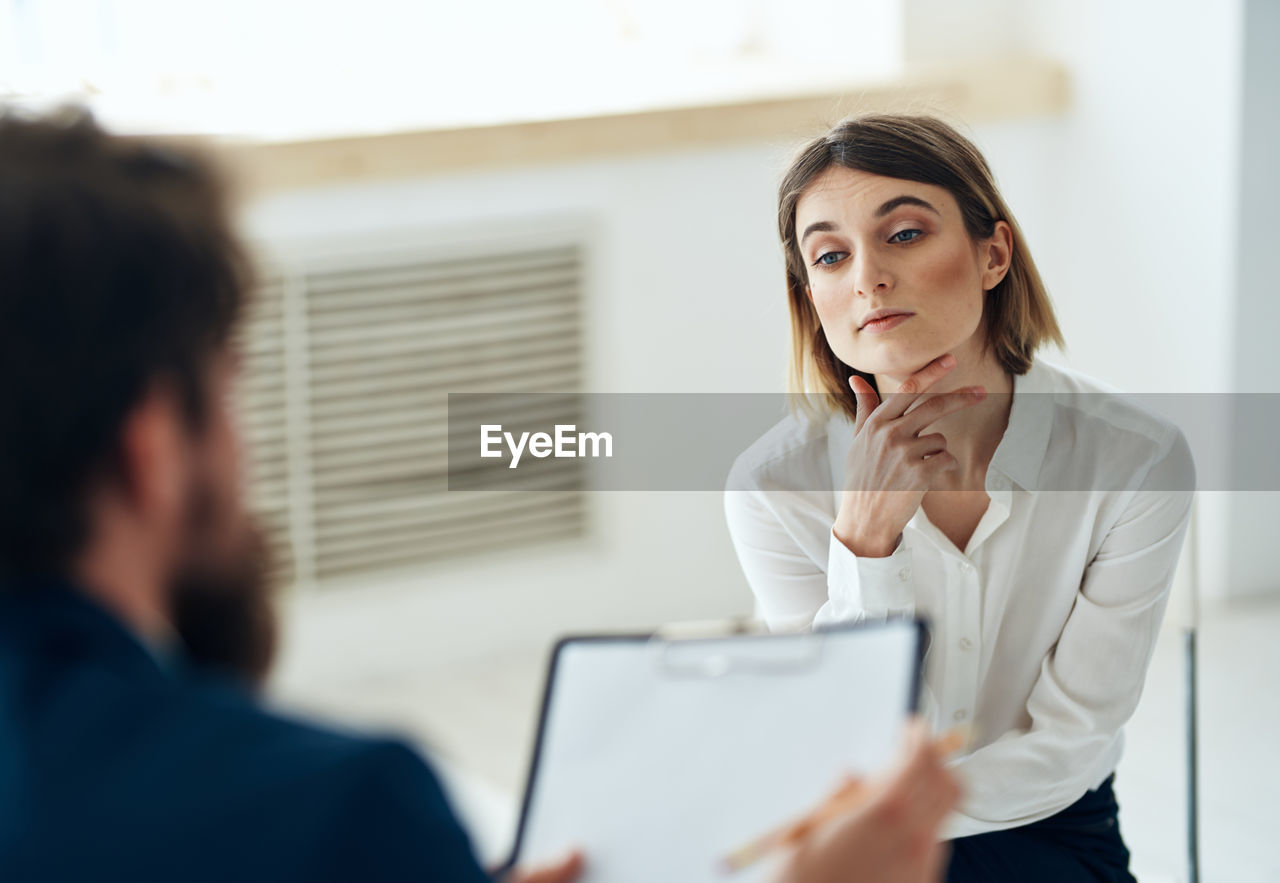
(1042,627)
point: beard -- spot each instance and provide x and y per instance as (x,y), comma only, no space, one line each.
(221,596)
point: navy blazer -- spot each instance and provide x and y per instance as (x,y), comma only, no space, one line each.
(114,766)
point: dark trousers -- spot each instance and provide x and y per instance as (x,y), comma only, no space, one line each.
(1081,843)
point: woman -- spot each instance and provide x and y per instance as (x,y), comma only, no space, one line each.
(918,482)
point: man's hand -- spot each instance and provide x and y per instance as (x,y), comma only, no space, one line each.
(565,872)
(892,836)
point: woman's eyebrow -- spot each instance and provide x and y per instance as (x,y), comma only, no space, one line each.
(817,227)
(892,204)
(885,208)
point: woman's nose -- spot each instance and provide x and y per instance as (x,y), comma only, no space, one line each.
(869,277)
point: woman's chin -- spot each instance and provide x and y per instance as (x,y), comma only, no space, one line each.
(897,365)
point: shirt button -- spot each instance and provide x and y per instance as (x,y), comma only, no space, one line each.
(966,567)
(904,574)
(965,643)
(960,715)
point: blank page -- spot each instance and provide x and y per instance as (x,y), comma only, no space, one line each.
(659,758)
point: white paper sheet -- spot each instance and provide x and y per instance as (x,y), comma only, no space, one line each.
(658,758)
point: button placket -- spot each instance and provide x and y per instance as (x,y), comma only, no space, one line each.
(964,665)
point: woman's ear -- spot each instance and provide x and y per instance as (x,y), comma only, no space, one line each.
(997,255)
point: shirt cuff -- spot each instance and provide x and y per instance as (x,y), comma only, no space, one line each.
(858,588)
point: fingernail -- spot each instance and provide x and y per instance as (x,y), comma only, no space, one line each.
(947,361)
(979,393)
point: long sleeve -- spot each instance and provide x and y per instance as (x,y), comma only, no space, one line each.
(867,588)
(781,566)
(799,583)
(1089,685)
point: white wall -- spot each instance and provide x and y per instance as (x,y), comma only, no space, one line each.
(1144,164)
(1253,516)
(1127,198)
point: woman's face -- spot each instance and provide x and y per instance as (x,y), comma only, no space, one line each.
(893,274)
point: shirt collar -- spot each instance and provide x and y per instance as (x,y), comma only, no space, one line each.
(1021,451)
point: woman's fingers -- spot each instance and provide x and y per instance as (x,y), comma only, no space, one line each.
(867,399)
(941,404)
(932,467)
(898,403)
(929,445)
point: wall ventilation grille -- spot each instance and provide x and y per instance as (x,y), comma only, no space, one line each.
(344,404)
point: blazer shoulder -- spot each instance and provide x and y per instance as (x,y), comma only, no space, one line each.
(376,807)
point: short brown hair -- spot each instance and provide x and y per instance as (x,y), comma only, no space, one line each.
(1017,311)
(118,267)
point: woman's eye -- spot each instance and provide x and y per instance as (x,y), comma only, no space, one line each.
(830,257)
(906,235)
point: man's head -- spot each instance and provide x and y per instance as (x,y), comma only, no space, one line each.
(121,288)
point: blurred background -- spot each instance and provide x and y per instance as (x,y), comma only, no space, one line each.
(579,196)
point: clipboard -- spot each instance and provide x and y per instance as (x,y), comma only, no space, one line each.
(658,757)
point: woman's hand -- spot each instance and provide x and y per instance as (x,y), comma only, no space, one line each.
(892,835)
(890,466)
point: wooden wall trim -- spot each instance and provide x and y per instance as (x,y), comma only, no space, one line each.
(1000,89)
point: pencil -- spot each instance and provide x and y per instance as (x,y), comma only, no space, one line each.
(849,795)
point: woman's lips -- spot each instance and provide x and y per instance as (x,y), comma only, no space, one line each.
(888,323)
